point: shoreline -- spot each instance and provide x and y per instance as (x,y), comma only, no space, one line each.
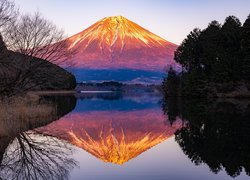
(57,92)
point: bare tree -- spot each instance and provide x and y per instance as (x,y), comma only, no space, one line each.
(34,156)
(34,36)
(35,41)
(26,152)
(29,41)
(8,12)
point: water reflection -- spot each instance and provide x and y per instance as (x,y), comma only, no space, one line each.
(30,155)
(114,131)
(38,140)
(216,133)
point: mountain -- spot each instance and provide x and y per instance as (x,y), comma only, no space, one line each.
(116,43)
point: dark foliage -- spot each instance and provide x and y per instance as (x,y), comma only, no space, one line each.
(216,55)
(216,133)
(171,83)
(21,73)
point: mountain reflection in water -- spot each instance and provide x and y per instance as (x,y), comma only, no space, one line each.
(116,129)
(39,140)
(113,136)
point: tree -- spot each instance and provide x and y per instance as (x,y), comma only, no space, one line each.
(34,41)
(8,12)
(245,44)
(34,156)
(231,45)
(215,59)
(215,131)
(170,84)
(25,151)
(209,41)
(187,54)
(34,36)
(246,33)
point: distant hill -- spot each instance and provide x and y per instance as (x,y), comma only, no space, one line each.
(128,76)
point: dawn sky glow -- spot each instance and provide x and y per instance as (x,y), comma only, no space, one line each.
(170,19)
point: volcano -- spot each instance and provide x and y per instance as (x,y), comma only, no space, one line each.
(117,44)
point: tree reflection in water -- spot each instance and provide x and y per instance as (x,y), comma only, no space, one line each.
(217,133)
(33,156)
(26,154)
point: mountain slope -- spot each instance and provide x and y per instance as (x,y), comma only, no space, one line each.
(116,42)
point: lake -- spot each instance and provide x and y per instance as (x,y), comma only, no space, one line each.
(113,136)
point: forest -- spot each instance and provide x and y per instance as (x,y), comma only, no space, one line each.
(215,62)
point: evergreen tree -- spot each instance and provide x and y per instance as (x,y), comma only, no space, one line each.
(245,43)
(210,41)
(231,45)
(213,57)
(188,53)
(171,83)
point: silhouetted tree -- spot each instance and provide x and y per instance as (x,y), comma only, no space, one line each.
(231,44)
(214,56)
(210,42)
(215,133)
(188,52)
(34,40)
(246,49)
(26,153)
(8,13)
(35,36)
(170,84)
(32,156)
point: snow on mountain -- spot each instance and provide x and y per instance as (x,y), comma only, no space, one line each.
(116,42)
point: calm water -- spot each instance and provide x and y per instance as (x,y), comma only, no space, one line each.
(110,136)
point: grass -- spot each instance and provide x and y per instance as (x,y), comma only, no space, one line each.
(18,114)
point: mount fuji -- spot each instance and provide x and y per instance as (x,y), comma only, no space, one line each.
(118,49)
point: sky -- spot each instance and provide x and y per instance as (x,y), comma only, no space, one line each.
(171,19)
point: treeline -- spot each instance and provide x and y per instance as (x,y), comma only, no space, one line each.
(214,60)
(101,84)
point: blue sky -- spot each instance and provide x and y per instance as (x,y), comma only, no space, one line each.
(170,19)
